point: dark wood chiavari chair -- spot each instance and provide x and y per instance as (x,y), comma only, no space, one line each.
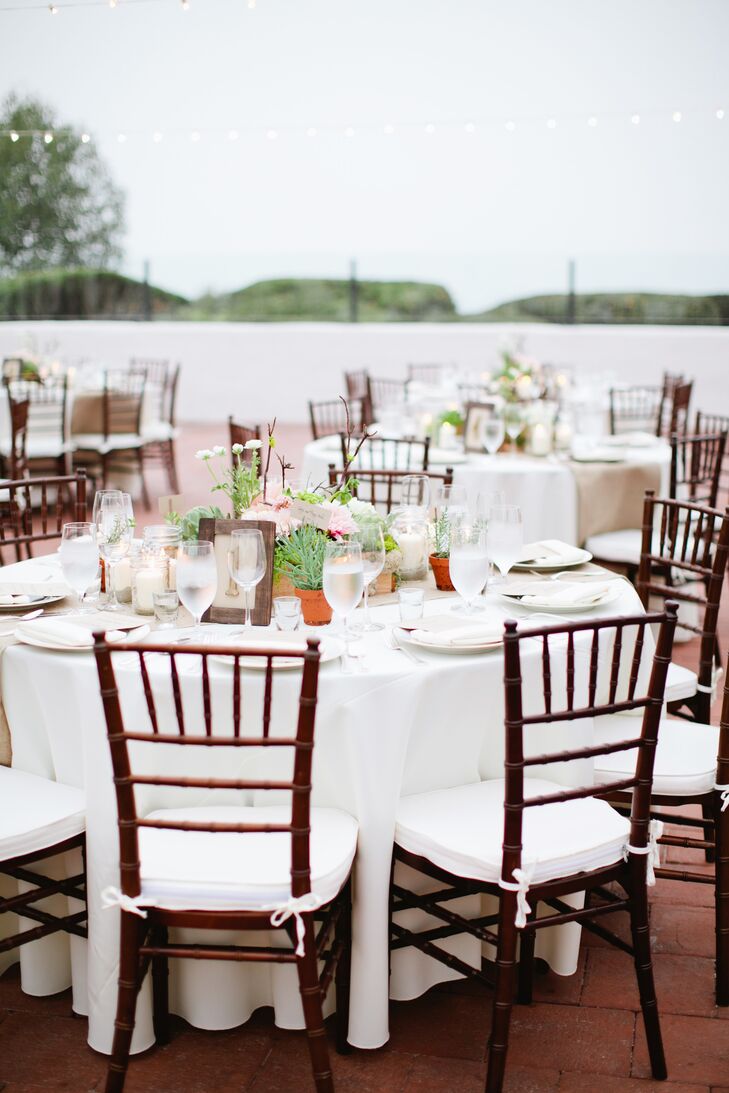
(380,453)
(684,554)
(241,434)
(358,386)
(34,510)
(386,392)
(671,380)
(474,392)
(49,447)
(162,870)
(680,402)
(383,488)
(639,407)
(118,446)
(155,370)
(40,819)
(425,373)
(716,423)
(555,840)
(160,434)
(17,459)
(330,416)
(696,462)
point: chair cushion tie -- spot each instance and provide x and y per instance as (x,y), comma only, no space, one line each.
(293,908)
(651,851)
(114,897)
(523,878)
(724,790)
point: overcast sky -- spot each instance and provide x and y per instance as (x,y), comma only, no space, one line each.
(490,212)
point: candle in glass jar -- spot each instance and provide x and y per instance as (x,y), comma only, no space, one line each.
(122,575)
(148,581)
(540,444)
(411,543)
(172,575)
(447,435)
(562,436)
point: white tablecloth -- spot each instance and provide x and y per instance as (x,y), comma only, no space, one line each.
(394,728)
(544,488)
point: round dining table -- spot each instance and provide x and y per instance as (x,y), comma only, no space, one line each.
(552,491)
(386,726)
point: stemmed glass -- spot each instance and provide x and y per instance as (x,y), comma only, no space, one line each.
(469,563)
(505,537)
(197,578)
(514,422)
(79,554)
(415,491)
(372,543)
(343,579)
(493,431)
(452,502)
(247,563)
(113,534)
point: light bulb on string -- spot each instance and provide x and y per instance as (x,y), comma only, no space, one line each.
(510,126)
(635,119)
(592,121)
(14,136)
(48,138)
(470,127)
(194,136)
(720,114)
(232,134)
(157,137)
(389,129)
(251,4)
(311,131)
(552,123)
(272,134)
(85,138)
(349,132)
(185,5)
(676,115)
(121,138)
(53,8)
(112,4)
(430,128)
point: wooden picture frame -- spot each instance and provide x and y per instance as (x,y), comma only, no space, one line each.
(474,413)
(229,603)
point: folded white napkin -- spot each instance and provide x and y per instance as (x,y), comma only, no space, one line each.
(30,579)
(56,632)
(566,594)
(549,552)
(460,634)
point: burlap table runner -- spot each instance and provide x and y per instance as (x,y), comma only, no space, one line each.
(610,495)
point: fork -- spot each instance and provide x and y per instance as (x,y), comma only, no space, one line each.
(401,649)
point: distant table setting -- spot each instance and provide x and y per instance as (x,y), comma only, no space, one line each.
(412,704)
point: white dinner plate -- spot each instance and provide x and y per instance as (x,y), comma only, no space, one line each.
(330,649)
(548,567)
(407,637)
(120,636)
(600,455)
(29,602)
(545,604)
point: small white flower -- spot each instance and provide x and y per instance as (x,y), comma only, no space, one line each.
(361,508)
(218,450)
(237,449)
(204,454)
(253,444)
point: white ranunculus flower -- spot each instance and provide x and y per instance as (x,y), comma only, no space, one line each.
(254,444)
(204,454)
(361,508)
(237,449)
(219,449)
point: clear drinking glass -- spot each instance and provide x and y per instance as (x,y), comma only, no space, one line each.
(287,612)
(372,542)
(113,534)
(505,536)
(247,562)
(343,581)
(79,554)
(415,491)
(469,563)
(166,605)
(412,602)
(197,578)
(514,422)
(452,500)
(493,431)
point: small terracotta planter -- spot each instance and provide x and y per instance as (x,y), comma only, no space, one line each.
(442,573)
(314,607)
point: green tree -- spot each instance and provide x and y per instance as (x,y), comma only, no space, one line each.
(58,203)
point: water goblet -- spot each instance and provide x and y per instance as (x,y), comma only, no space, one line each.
(415,491)
(343,580)
(492,433)
(79,555)
(505,537)
(469,563)
(371,540)
(113,534)
(247,563)
(197,579)
(514,422)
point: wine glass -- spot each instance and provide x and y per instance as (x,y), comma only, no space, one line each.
(247,563)
(415,491)
(343,579)
(197,578)
(469,563)
(451,501)
(113,534)
(505,537)
(514,422)
(372,543)
(79,554)
(492,434)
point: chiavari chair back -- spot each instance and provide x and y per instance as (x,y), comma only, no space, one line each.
(160,433)
(379,453)
(329,417)
(155,370)
(557,836)
(671,380)
(358,386)
(716,423)
(430,374)
(684,555)
(639,407)
(383,489)
(230,864)
(18,454)
(119,446)
(386,392)
(696,463)
(680,403)
(48,425)
(241,434)
(474,392)
(34,510)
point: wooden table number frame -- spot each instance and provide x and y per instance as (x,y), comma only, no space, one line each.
(229,603)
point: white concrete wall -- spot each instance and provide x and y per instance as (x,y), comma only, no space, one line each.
(256,370)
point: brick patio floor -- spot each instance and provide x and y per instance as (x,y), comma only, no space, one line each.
(583,1034)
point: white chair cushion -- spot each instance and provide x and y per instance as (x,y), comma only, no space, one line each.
(681,683)
(46,447)
(159,430)
(685,757)
(461,830)
(95,442)
(208,871)
(36,813)
(621,547)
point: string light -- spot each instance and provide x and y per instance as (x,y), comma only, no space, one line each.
(470,127)
(592,121)
(430,128)
(53,8)
(510,126)
(720,114)
(311,131)
(185,4)
(233,134)
(389,129)
(112,4)
(157,137)
(552,123)
(635,119)
(677,115)
(251,4)
(48,138)
(85,138)
(121,138)
(272,134)
(349,132)
(194,136)
(14,136)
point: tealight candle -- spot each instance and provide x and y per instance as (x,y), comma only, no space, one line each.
(122,576)
(540,440)
(146,583)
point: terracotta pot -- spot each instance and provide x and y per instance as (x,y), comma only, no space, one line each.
(314,607)
(442,573)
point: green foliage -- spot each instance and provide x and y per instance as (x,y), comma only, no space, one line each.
(452,417)
(81,293)
(442,535)
(612,307)
(189,524)
(300,557)
(58,204)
